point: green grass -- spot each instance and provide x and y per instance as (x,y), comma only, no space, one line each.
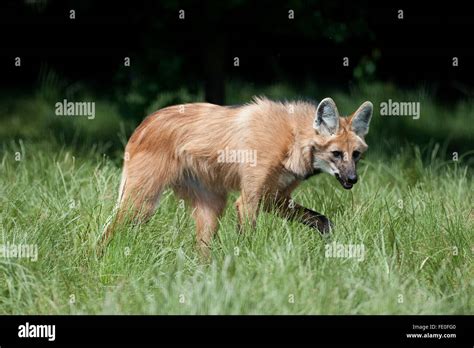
(412,211)
(415,221)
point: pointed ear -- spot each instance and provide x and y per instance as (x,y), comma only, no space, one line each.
(326,121)
(361,119)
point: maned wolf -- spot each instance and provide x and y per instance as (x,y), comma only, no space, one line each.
(264,149)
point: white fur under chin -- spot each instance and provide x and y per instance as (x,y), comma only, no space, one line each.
(324,166)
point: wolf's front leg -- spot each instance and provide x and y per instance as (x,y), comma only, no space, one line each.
(252,191)
(247,211)
(290,210)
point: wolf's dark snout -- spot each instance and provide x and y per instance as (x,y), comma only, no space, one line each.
(352,178)
(348,181)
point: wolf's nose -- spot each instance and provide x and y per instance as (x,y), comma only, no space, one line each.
(352,179)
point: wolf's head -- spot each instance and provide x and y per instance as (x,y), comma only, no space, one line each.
(340,140)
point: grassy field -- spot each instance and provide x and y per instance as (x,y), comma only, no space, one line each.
(412,212)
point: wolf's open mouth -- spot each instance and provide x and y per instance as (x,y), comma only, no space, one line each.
(345,184)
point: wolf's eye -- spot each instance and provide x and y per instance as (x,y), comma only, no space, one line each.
(356,155)
(337,154)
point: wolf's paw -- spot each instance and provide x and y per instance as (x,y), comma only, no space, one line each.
(324,225)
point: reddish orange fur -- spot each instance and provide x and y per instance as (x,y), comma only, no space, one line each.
(178,146)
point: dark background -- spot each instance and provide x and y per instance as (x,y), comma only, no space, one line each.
(174,61)
(167,52)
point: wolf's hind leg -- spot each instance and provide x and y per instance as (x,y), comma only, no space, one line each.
(139,196)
